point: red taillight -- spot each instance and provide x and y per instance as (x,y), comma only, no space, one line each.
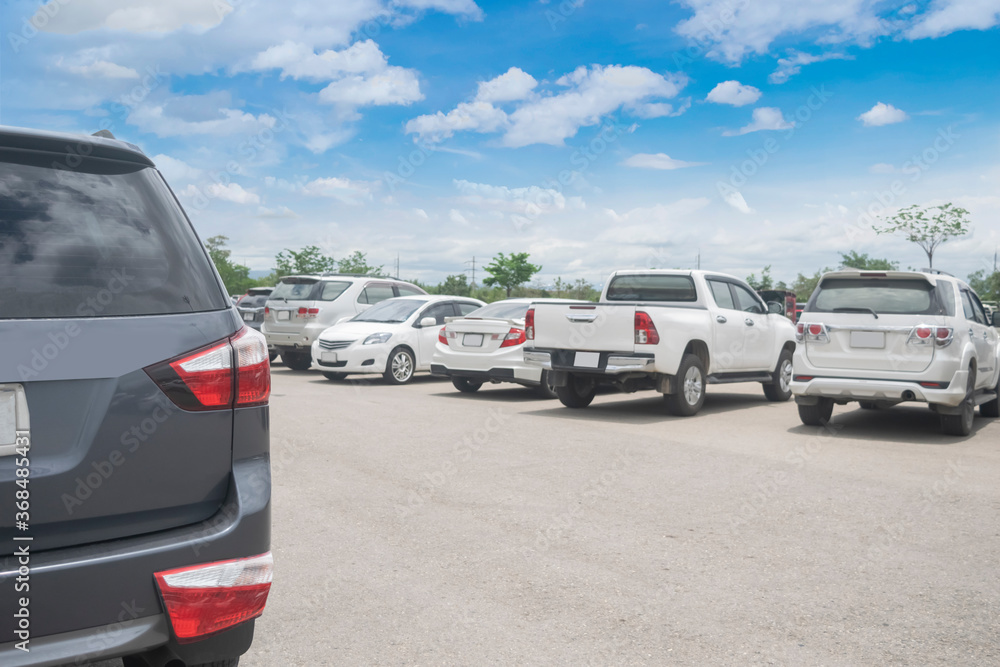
(815,329)
(514,337)
(442,338)
(923,332)
(205,379)
(800,328)
(308,313)
(267,311)
(529,324)
(202,600)
(645,330)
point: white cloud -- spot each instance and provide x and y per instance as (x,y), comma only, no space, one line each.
(882,114)
(652,225)
(466,8)
(100,69)
(514,84)
(300,61)
(420,213)
(882,168)
(657,161)
(281,212)
(394,85)
(456,216)
(233,192)
(343,189)
(947,16)
(135,15)
(157,120)
(592,94)
(736,200)
(734,93)
(764,118)
(176,171)
(792,64)
(659,109)
(589,95)
(517,200)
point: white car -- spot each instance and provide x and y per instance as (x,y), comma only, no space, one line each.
(395,338)
(488,346)
(888,337)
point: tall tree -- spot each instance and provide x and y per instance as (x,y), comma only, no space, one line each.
(235,276)
(986,285)
(509,271)
(765,282)
(928,227)
(862,261)
(455,285)
(804,286)
(358,263)
(308,260)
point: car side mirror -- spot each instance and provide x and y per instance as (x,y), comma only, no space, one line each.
(996,319)
(774,307)
(427,322)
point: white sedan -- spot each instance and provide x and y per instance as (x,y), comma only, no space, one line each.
(394,338)
(486,346)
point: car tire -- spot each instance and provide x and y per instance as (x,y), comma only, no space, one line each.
(816,415)
(336,377)
(961,424)
(691,397)
(139,661)
(779,389)
(465,385)
(399,367)
(545,389)
(297,361)
(578,392)
(231,662)
(991,408)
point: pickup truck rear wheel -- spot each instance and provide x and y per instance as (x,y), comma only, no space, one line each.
(691,397)
(991,408)
(779,388)
(578,392)
(545,388)
(816,415)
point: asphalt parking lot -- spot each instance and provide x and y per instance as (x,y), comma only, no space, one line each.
(415,525)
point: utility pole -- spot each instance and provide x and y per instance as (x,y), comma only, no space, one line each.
(698,261)
(473,262)
(397,266)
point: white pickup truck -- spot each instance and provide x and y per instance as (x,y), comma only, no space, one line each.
(672,331)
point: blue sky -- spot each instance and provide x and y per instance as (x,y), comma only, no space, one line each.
(593,134)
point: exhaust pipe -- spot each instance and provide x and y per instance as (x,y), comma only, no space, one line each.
(908,395)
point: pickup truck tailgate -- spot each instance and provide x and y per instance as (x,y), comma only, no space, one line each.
(598,328)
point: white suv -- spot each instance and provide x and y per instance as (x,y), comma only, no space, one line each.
(888,337)
(301,307)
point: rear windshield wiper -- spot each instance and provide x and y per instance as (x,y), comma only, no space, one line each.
(858,309)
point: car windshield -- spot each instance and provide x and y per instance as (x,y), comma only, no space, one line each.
(502,310)
(391,310)
(294,289)
(652,288)
(892,296)
(253,301)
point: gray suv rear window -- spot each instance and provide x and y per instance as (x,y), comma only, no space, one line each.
(104,239)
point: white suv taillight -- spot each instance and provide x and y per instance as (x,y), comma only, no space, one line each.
(205,379)
(925,334)
(202,600)
(811,332)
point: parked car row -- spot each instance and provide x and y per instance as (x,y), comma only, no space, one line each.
(878,338)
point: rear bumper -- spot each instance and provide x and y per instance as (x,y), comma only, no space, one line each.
(491,375)
(860,389)
(608,363)
(100,600)
(302,339)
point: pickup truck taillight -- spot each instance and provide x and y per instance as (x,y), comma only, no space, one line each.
(529,324)
(645,330)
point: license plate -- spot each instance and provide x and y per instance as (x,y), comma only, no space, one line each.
(249,317)
(8,418)
(472,340)
(284,315)
(868,339)
(587,359)
(328,357)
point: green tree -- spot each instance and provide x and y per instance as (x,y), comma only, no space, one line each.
(509,271)
(309,260)
(765,282)
(559,287)
(235,276)
(986,285)
(357,262)
(455,285)
(804,286)
(928,227)
(862,261)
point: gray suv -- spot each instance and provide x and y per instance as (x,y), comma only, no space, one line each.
(134,443)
